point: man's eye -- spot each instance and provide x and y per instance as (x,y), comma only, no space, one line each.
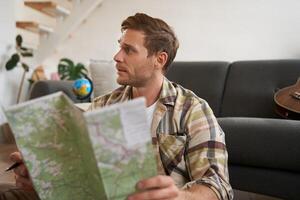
(127,50)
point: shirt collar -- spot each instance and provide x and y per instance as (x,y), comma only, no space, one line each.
(167,95)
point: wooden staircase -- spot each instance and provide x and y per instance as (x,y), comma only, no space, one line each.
(34,27)
(66,21)
(48,7)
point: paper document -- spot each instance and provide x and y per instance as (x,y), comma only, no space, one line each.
(74,155)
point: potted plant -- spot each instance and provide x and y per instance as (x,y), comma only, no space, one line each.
(67,70)
(17,60)
(82,86)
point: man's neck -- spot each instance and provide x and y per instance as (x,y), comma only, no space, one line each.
(150,91)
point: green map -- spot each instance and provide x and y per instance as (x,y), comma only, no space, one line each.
(70,155)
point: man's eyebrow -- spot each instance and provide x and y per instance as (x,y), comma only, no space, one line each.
(127,45)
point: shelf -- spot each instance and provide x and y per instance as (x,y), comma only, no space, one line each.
(48,7)
(34,27)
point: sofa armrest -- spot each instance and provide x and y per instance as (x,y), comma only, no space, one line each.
(264,143)
(263,155)
(42,88)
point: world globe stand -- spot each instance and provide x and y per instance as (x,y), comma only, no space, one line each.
(80,97)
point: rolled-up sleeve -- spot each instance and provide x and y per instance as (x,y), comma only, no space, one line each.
(206,154)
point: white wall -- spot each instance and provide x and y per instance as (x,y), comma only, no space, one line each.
(8,83)
(207,29)
(10,11)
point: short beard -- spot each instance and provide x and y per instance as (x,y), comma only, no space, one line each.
(132,83)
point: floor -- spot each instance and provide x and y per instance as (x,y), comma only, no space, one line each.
(5,150)
(241,195)
(8,177)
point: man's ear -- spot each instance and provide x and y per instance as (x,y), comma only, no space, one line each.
(161,59)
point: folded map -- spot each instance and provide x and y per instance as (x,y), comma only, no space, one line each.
(99,154)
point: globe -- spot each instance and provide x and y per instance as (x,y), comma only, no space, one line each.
(82,88)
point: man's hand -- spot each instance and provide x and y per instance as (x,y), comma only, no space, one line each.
(157,187)
(21,173)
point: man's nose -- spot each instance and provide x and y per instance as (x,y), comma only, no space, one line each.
(118,57)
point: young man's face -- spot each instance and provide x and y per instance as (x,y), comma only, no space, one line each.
(134,66)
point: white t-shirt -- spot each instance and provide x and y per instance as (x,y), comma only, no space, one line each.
(150,112)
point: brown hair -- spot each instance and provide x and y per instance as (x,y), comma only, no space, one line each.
(159,36)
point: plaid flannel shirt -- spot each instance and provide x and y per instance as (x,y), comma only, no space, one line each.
(189,143)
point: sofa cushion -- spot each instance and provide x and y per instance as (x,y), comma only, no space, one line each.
(277,183)
(104,76)
(251,86)
(205,79)
(262,143)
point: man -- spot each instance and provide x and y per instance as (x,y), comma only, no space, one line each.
(189,143)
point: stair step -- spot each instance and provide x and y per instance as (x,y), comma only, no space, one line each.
(34,27)
(49,8)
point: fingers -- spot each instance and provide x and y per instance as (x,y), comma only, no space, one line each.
(158,187)
(155,182)
(24,183)
(21,173)
(165,193)
(16,157)
(21,170)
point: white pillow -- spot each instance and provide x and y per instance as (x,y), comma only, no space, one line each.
(103,74)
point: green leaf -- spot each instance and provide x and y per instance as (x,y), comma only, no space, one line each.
(19,40)
(15,57)
(30,81)
(23,49)
(63,77)
(63,71)
(27,54)
(12,62)
(67,62)
(67,69)
(10,65)
(25,67)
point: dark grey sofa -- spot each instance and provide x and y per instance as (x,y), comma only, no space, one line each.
(42,88)
(264,156)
